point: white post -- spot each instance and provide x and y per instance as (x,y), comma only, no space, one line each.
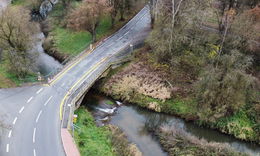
(132,48)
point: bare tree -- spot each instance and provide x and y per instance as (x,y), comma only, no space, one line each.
(15,39)
(88,16)
(114,7)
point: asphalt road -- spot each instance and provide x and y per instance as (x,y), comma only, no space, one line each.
(31,115)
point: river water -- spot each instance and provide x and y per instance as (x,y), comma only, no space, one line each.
(45,63)
(134,121)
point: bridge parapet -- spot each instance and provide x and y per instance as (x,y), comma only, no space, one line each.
(70,103)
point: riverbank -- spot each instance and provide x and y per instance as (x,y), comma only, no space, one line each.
(145,83)
(106,140)
(148,129)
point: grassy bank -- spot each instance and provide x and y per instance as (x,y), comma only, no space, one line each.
(68,42)
(8,79)
(101,141)
(92,140)
(139,83)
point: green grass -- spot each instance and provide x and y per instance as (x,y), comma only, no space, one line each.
(181,107)
(19,2)
(71,42)
(92,140)
(9,79)
(109,102)
(238,124)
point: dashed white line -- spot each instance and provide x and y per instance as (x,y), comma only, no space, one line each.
(39,90)
(10,134)
(34,152)
(38,116)
(21,110)
(47,101)
(7,148)
(120,38)
(126,33)
(110,44)
(29,100)
(34,131)
(14,120)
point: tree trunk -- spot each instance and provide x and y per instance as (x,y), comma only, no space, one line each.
(122,16)
(152,13)
(113,22)
(113,18)
(94,36)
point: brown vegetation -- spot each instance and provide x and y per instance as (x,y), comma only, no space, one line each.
(87,16)
(177,142)
(16,32)
(137,79)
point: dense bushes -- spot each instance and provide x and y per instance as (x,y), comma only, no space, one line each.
(225,86)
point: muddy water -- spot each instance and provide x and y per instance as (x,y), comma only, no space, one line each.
(135,121)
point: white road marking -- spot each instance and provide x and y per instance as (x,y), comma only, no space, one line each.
(7,147)
(34,131)
(10,134)
(126,33)
(21,110)
(47,101)
(38,116)
(14,120)
(110,44)
(29,100)
(39,90)
(34,152)
(120,38)
(62,84)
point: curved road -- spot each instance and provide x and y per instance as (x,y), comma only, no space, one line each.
(31,115)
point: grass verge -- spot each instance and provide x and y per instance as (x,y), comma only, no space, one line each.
(72,42)
(8,80)
(92,140)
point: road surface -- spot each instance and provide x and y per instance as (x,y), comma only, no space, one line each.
(31,115)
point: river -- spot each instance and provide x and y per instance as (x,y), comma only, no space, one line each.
(45,63)
(134,121)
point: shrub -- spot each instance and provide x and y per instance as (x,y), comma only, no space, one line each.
(224,87)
